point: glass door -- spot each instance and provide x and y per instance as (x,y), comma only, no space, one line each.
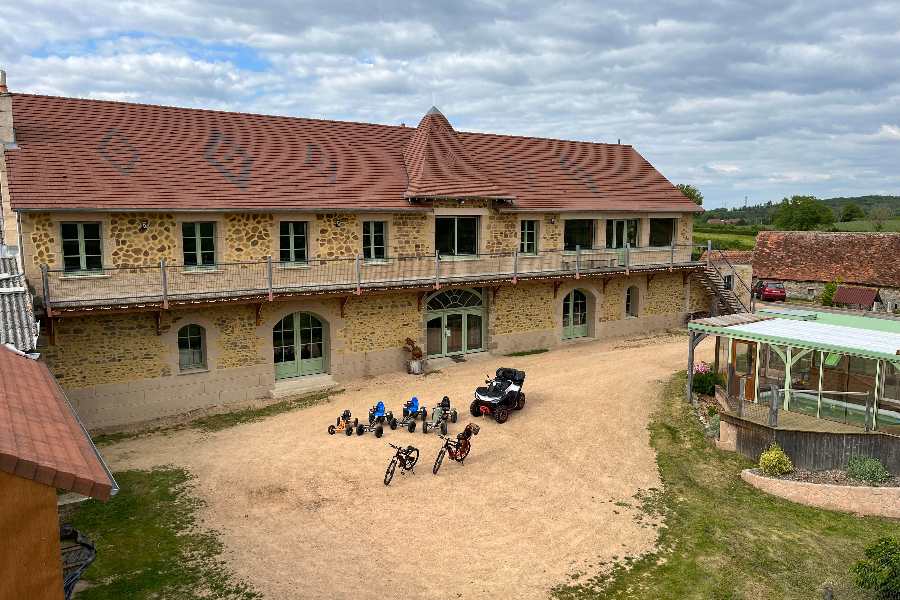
(453,327)
(575,323)
(620,232)
(743,361)
(299,344)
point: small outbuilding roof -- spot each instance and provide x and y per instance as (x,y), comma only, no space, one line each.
(41,438)
(849,294)
(735,257)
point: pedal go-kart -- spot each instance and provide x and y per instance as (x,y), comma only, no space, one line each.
(343,424)
(411,412)
(439,417)
(502,394)
(457,449)
(405,457)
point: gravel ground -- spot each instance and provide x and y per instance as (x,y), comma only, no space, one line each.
(306,515)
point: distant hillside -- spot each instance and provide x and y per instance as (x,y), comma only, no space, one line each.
(762,213)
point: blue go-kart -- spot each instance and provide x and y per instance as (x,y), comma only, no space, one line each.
(411,412)
(378,417)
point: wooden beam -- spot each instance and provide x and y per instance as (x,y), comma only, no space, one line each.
(558,285)
(258,309)
(343,304)
(606,280)
(684,277)
(52,327)
(650,277)
(158,317)
(494,293)
(422,295)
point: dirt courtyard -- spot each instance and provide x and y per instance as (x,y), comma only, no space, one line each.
(306,515)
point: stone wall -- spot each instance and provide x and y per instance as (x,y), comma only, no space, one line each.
(523,307)
(798,289)
(859,500)
(379,322)
(411,234)
(613,307)
(133,247)
(665,295)
(551,233)
(699,299)
(333,241)
(249,237)
(686,228)
(502,233)
(39,237)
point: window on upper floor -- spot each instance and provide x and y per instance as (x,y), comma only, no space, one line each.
(620,232)
(528,237)
(578,232)
(191,347)
(293,242)
(456,236)
(374,240)
(662,232)
(729,281)
(82,248)
(199,245)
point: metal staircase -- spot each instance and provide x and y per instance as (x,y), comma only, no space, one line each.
(713,282)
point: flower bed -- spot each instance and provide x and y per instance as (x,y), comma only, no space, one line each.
(844,497)
(831,477)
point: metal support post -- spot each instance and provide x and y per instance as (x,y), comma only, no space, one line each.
(577,261)
(45,281)
(869,405)
(627,258)
(358,290)
(269,268)
(708,252)
(672,257)
(690,371)
(437,269)
(165,283)
(773,403)
(515,264)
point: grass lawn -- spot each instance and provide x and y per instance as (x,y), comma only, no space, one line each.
(893,225)
(724,538)
(146,544)
(727,241)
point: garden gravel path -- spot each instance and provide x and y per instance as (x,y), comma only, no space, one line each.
(306,515)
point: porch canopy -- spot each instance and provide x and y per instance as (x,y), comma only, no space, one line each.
(822,364)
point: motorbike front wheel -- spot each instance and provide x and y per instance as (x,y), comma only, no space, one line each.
(439,460)
(390,471)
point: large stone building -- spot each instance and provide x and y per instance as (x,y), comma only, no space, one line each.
(181,258)
(806,260)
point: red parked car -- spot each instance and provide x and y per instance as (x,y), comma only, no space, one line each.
(770,290)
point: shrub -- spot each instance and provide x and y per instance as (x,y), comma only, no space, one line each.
(882,571)
(705,380)
(867,469)
(774,461)
(714,425)
(827,297)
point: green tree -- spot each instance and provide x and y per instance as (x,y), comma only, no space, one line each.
(851,212)
(691,192)
(880,215)
(802,213)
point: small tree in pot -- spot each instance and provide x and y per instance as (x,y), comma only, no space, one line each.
(415,365)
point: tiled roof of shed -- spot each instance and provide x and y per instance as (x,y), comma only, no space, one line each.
(848,294)
(17,325)
(40,436)
(862,258)
(80,154)
(735,257)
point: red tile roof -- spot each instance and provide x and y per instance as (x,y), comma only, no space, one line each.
(863,296)
(89,154)
(862,258)
(735,257)
(40,436)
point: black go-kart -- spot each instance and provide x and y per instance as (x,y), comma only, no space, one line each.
(405,457)
(502,394)
(411,412)
(439,417)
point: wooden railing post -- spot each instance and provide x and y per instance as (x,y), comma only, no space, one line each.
(358,290)
(437,269)
(269,271)
(45,281)
(515,264)
(773,411)
(165,283)
(577,261)
(869,403)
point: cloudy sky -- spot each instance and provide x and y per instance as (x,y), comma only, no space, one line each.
(762,99)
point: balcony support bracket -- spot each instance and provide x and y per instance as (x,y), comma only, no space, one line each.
(422,299)
(494,292)
(606,281)
(52,327)
(556,287)
(343,304)
(650,277)
(684,277)
(258,309)
(158,317)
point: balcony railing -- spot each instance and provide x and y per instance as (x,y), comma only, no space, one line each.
(164,284)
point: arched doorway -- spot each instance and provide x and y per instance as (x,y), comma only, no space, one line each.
(575,315)
(299,342)
(455,322)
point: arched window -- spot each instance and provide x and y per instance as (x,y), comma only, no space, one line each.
(458,298)
(631,302)
(191,347)
(575,319)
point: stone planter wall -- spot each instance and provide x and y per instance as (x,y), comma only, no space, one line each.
(869,501)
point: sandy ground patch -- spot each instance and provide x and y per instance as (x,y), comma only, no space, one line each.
(306,515)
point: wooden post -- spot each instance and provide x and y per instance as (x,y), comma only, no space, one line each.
(729,376)
(269,268)
(165,283)
(690,372)
(773,411)
(716,360)
(869,399)
(45,280)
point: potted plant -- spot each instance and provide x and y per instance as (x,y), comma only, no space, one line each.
(416,364)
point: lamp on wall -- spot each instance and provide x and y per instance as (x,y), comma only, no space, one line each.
(337,222)
(552,220)
(143,225)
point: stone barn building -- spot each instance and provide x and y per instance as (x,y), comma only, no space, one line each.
(182,258)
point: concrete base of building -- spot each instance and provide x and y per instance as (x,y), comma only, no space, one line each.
(297,386)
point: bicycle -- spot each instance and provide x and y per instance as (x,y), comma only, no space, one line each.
(405,457)
(457,449)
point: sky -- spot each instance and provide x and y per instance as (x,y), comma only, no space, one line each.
(742,99)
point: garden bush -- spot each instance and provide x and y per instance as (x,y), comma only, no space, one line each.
(705,380)
(867,469)
(774,461)
(715,425)
(882,571)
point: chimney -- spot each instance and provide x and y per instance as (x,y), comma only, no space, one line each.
(619,141)
(3,82)
(7,133)
(402,124)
